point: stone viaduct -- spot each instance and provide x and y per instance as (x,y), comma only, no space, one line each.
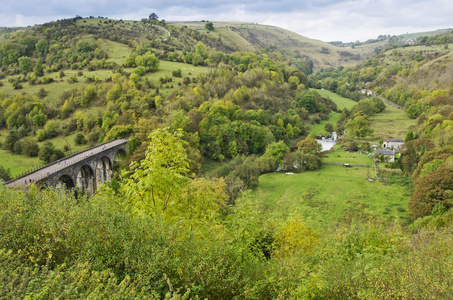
(84,170)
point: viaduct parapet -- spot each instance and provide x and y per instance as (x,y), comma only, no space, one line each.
(83,171)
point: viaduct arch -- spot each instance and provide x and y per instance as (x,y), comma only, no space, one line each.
(84,171)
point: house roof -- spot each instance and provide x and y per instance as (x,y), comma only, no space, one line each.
(394,140)
(398,140)
(385,152)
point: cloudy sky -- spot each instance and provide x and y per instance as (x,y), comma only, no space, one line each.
(327,20)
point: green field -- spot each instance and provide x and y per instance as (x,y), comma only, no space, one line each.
(341,103)
(391,123)
(344,157)
(18,163)
(333,194)
(60,85)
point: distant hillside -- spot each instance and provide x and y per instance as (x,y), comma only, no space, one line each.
(5,32)
(253,37)
(412,75)
(383,41)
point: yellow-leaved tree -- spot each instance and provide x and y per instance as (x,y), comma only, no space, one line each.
(293,238)
(160,184)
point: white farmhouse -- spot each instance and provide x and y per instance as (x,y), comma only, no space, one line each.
(393,144)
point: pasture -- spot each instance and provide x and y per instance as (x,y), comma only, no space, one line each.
(334,194)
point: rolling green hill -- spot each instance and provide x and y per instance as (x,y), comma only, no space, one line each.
(254,37)
(233,100)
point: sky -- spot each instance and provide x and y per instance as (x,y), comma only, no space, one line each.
(326,20)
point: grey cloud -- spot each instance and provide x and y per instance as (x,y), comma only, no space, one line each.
(321,19)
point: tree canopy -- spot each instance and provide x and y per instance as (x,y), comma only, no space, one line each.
(359,125)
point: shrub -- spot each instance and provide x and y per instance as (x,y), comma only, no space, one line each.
(80,139)
(5,174)
(30,147)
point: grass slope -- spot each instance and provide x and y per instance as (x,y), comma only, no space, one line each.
(254,37)
(391,123)
(341,103)
(333,194)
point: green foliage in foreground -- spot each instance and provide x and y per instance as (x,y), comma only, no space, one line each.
(149,238)
(55,246)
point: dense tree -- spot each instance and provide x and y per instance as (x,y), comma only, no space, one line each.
(80,139)
(409,136)
(5,174)
(25,64)
(38,68)
(433,160)
(411,153)
(153,16)
(359,125)
(147,60)
(209,26)
(328,127)
(309,145)
(48,153)
(29,147)
(10,140)
(157,182)
(276,150)
(436,187)
(306,99)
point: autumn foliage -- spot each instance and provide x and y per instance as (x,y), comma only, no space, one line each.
(436,187)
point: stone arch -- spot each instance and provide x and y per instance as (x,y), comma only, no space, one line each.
(86,180)
(119,159)
(65,181)
(103,170)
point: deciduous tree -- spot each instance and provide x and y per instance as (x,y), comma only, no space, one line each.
(209,26)
(437,187)
(359,125)
(156,183)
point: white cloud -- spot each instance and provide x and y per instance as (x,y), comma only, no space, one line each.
(346,20)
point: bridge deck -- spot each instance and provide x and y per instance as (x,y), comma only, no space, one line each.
(63,163)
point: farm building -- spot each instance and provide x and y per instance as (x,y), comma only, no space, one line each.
(392,144)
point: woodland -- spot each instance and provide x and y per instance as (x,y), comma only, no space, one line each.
(217,118)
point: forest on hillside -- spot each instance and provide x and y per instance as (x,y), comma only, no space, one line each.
(185,217)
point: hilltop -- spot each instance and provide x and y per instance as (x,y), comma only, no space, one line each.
(255,37)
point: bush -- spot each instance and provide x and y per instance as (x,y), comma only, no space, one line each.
(5,174)
(80,139)
(177,73)
(30,147)
(46,152)
(353,146)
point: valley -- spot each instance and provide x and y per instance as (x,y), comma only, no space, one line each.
(225,192)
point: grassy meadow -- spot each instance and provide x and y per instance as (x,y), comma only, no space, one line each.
(334,194)
(341,103)
(242,36)
(18,163)
(391,123)
(60,85)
